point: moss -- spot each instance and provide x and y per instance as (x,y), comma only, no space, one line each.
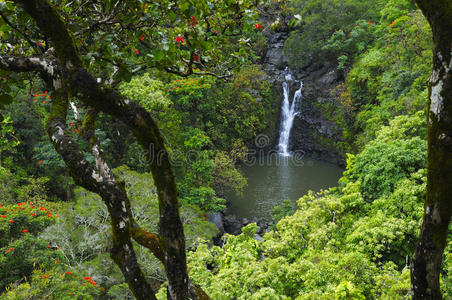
(150,241)
(438,208)
(87,128)
(440,163)
(60,104)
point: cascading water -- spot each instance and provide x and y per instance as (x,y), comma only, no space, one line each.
(74,108)
(288,113)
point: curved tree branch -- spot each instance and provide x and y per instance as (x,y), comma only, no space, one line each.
(83,85)
(28,64)
(99,180)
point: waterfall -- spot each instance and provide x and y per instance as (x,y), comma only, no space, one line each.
(74,108)
(288,113)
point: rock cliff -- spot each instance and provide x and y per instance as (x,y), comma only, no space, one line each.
(311,132)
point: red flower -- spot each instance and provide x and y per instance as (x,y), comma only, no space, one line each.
(258,26)
(45,92)
(215,32)
(2,216)
(141,38)
(33,214)
(193,21)
(11,249)
(45,276)
(136,51)
(11,221)
(179,39)
(57,261)
(40,161)
(68,273)
(195,57)
(25,231)
(87,278)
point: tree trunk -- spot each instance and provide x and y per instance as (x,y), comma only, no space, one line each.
(427,258)
(81,83)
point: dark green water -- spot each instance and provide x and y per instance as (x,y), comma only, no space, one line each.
(273,179)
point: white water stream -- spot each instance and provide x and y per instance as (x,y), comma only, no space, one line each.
(288,113)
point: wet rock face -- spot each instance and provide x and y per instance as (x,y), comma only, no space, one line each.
(275,60)
(310,129)
(217,219)
(231,224)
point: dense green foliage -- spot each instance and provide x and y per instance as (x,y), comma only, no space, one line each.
(337,245)
(77,241)
(19,249)
(386,78)
(204,121)
(354,241)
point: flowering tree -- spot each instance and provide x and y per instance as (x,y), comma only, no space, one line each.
(82,50)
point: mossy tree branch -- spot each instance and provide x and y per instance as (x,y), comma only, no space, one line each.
(149,240)
(83,85)
(141,236)
(99,180)
(28,64)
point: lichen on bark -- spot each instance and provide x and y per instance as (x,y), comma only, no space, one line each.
(426,265)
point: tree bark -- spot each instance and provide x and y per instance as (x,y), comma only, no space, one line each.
(428,255)
(101,181)
(50,70)
(82,84)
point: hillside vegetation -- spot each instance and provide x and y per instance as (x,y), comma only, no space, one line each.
(353,241)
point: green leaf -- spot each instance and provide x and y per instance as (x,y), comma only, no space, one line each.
(124,74)
(158,54)
(5,99)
